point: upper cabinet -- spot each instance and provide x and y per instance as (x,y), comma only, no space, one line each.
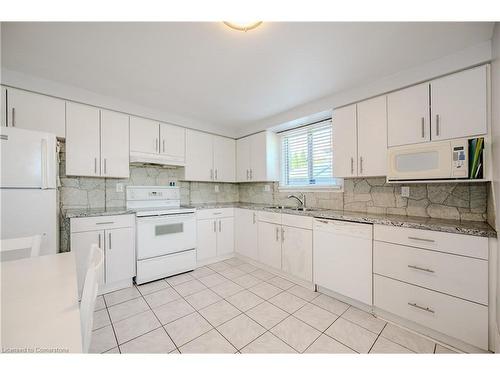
(454,106)
(209,157)
(26,110)
(459,105)
(360,139)
(152,141)
(408,116)
(97,142)
(257,158)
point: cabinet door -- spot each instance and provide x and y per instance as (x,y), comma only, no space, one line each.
(270,244)
(297,252)
(224,159)
(459,105)
(225,236)
(246,233)
(31,111)
(344,141)
(80,246)
(199,156)
(114,144)
(207,239)
(243,159)
(264,158)
(82,140)
(120,254)
(408,116)
(173,142)
(144,135)
(372,137)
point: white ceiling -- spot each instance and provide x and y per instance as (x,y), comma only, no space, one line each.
(210,73)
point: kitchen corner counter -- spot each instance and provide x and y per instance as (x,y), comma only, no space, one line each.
(473,228)
(71,213)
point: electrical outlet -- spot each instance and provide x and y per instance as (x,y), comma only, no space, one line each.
(119,188)
(216,187)
(267,187)
(405,191)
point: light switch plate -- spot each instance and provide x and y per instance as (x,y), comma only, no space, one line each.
(405,191)
(216,187)
(119,188)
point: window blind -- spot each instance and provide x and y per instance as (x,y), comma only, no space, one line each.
(307,156)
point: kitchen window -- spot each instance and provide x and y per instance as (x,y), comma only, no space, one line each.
(306,158)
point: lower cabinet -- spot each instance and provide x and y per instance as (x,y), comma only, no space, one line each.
(270,244)
(297,252)
(246,232)
(215,233)
(115,235)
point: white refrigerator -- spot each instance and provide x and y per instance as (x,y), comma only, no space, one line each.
(28,186)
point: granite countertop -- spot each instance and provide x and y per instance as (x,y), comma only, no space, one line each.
(473,228)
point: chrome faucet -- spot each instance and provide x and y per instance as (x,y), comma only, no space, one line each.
(301,199)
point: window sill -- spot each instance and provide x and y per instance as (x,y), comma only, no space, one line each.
(326,189)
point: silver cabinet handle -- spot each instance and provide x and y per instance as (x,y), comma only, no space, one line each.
(95,165)
(428,309)
(437,125)
(216,169)
(282,234)
(211,174)
(163,145)
(361,165)
(105,222)
(352,165)
(423,127)
(323,221)
(277,233)
(420,239)
(215,226)
(99,240)
(156,145)
(109,236)
(248,175)
(105,169)
(254,216)
(251,174)
(13,117)
(220,225)
(420,268)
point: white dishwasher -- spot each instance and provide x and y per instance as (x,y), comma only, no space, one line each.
(342,258)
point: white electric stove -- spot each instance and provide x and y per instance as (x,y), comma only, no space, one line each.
(165,232)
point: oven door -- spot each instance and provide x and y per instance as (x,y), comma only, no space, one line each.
(161,235)
(419,162)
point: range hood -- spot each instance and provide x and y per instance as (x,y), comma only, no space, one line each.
(156,159)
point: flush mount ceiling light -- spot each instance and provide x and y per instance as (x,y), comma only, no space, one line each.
(243,26)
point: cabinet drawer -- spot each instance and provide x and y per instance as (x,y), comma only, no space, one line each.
(84,224)
(164,266)
(298,221)
(452,274)
(214,213)
(461,244)
(269,217)
(466,321)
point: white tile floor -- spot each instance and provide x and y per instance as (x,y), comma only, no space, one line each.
(235,307)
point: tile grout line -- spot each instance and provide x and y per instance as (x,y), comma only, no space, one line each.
(374,342)
(112,326)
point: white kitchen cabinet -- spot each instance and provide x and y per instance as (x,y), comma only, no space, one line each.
(215,233)
(345,161)
(144,135)
(257,158)
(83,156)
(32,111)
(209,157)
(114,144)
(97,142)
(459,105)
(224,159)
(207,239)
(115,235)
(372,137)
(297,252)
(246,233)
(173,142)
(408,116)
(270,244)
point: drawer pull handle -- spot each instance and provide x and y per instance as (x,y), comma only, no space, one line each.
(421,239)
(420,268)
(105,222)
(428,309)
(323,221)
(217,213)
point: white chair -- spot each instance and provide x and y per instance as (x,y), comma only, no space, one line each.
(89,295)
(11,249)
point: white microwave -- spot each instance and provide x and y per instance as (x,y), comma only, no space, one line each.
(429,161)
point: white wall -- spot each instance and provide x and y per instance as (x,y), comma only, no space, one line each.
(495,100)
(471,56)
(43,86)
